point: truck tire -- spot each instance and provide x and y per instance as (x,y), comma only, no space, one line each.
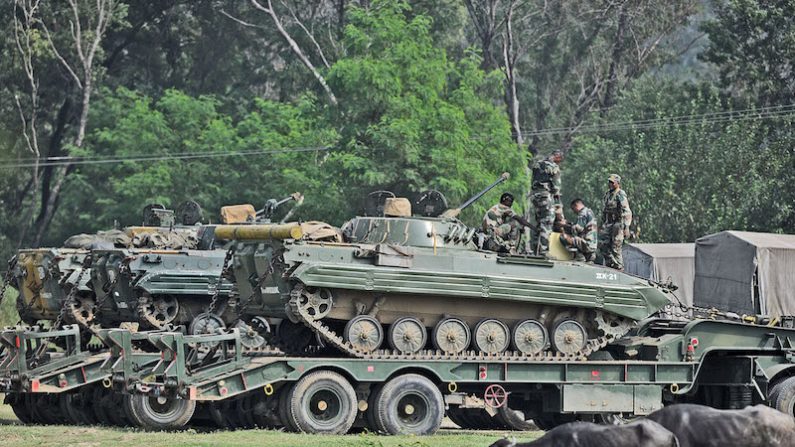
(369,415)
(515,419)
(19,406)
(785,399)
(284,408)
(548,421)
(409,404)
(454,414)
(266,411)
(323,402)
(159,413)
(773,392)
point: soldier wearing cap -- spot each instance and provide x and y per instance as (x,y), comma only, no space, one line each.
(502,226)
(616,218)
(545,196)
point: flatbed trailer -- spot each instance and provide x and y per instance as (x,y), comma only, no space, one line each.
(156,379)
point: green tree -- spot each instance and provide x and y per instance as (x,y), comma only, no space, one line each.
(411,118)
(128,123)
(688,180)
(753,44)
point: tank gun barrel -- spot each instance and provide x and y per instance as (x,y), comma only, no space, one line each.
(259,232)
(454,212)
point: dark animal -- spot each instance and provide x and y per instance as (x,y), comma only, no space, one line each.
(701,426)
(642,433)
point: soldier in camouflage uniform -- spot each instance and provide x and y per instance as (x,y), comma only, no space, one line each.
(502,226)
(616,219)
(545,196)
(581,236)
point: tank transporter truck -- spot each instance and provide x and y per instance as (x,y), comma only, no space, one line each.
(564,341)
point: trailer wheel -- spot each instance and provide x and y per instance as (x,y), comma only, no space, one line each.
(97,406)
(548,421)
(284,408)
(19,406)
(454,414)
(266,411)
(515,419)
(409,404)
(161,413)
(785,401)
(323,402)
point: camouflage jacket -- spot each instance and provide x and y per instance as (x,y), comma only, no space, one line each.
(616,207)
(546,177)
(585,226)
(497,215)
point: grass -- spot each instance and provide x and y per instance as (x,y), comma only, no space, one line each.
(12,433)
(8,310)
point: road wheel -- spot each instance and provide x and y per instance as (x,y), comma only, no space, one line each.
(364,333)
(161,413)
(451,336)
(785,399)
(569,337)
(491,336)
(323,402)
(409,404)
(407,335)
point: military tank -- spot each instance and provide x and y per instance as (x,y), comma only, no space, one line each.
(46,277)
(421,285)
(157,287)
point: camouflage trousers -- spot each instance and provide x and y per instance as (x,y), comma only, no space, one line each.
(611,239)
(584,250)
(544,220)
(503,238)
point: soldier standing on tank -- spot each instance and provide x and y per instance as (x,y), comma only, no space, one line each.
(502,226)
(616,218)
(581,235)
(545,196)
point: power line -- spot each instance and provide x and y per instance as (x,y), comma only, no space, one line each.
(702,118)
(64,161)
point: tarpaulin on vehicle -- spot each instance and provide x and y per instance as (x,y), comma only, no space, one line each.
(747,273)
(664,263)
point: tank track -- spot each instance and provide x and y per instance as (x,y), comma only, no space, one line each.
(335,340)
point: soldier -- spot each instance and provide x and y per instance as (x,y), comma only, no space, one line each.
(582,234)
(545,195)
(616,219)
(502,226)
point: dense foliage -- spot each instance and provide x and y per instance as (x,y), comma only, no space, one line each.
(337,99)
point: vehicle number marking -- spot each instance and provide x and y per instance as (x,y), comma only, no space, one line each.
(608,276)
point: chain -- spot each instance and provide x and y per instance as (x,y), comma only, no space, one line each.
(260,282)
(224,274)
(70,297)
(124,267)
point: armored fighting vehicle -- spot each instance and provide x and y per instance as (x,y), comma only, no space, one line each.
(414,282)
(46,277)
(160,286)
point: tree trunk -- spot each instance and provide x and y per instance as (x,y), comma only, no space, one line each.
(615,61)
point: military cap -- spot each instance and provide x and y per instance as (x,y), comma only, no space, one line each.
(615,178)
